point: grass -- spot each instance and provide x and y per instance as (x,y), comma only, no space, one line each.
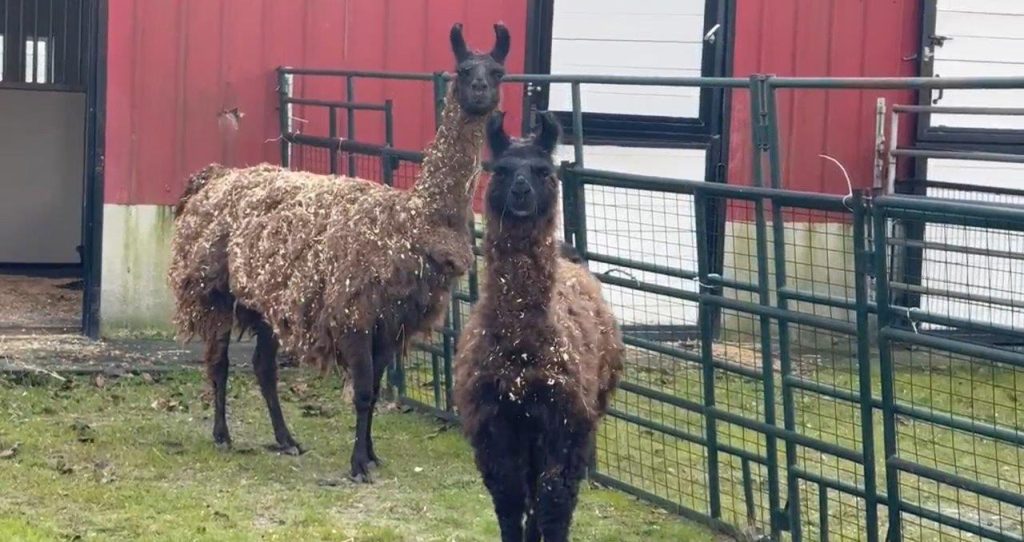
(132,459)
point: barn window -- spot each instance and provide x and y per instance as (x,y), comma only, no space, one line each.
(36,65)
(681,38)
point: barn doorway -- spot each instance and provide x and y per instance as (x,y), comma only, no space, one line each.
(48,154)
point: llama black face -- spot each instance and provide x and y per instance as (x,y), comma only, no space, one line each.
(478,79)
(524,184)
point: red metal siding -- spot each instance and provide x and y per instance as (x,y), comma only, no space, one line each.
(174,66)
(839,38)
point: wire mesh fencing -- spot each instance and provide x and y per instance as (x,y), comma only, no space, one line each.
(799,366)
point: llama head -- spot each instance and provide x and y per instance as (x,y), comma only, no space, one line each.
(478,75)
(524,185)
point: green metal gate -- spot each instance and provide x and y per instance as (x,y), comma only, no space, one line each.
(814,403)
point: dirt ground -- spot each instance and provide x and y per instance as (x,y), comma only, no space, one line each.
(40,302)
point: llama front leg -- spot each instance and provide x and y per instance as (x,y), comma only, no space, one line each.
(216,358)
(559,484)
(357,350)
(384,351)
(503,463)
(264,364)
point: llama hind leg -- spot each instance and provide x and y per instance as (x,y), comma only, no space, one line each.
(357,350)
(216,359)
(383,355)
(264,364)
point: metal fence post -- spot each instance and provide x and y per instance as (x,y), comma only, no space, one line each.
(387,161)
(705,315)
(332,133)
(886,375)
(350,97)
(284,91)
(861,265)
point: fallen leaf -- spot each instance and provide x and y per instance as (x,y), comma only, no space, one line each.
(100,381)
(10,452)
(418,469)
(148,378)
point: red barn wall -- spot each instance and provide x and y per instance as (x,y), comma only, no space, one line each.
(836,38)
(174,66)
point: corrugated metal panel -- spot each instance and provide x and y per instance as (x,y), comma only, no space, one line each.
(822,38)
(173,67)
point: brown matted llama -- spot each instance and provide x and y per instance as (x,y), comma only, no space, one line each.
(340,270)
(541,354)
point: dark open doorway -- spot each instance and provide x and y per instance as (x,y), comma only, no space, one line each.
(50,164)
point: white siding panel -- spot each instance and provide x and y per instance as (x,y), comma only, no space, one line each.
(969,273)
(653,227)
(641,38)
(987,39)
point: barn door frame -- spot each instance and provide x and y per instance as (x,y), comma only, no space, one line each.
(95,170)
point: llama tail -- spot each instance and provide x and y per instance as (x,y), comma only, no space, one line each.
(196,183)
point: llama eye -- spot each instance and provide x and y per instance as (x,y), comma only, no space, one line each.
(498,74)
(463,72)
(542,171)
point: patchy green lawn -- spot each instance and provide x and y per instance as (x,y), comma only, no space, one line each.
(132,459)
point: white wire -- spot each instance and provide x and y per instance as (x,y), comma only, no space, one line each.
(846,175)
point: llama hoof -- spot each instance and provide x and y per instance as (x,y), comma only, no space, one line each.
(362,478)
(361,471)
(292,449)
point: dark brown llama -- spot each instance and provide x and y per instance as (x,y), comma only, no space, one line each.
(339,270)
(541,353)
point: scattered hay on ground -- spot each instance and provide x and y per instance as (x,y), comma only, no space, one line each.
(39,302)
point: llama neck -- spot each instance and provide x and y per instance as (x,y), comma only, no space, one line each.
(451,164)
(521,264)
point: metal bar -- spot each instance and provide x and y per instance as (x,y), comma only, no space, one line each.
(671,506)
(64,46)
(435,371)
(767,365)
(960,155)
(682,435)
(960,482)
(648,287)
(748,490)
(577,125)
(387,164)
(284,88)
(340,105)
(899,82)
(757,146)
(345,145)
(35,42)
(778,432)
(827,390)
(663,397)
(887,376)
(861,264)
(960,423)
(977,298)
(785,198)
(919,316)
(949,208)
(448,347)
(949,110)
(642,266)
(786,367)
(794,317)
(945,185)
(836,485)
(958,249)
(894,139)
(831,301)
(772,133)
(332,116)
(51,43)
(704,321)
(663,348)
(350,96)
(956,523)
(823,513)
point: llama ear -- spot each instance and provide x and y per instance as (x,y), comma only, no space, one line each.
(459,44)
(549,133)
(497,139)
(502,43)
